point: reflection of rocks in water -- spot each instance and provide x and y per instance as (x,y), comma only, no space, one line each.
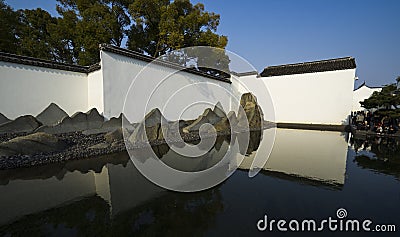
(160,150)
(255,139)
(197,163)
(86,217)
(173,214)
(219,141)
(59,170)
(385,166)
(252,139)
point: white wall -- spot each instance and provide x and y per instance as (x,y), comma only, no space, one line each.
(175,94)
(95,90)
(310,98)
(361,94)
(29,90)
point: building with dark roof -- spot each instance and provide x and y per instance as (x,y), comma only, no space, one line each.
(318,93)
(310,67)
(361,93)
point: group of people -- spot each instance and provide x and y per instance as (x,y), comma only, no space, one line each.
(369,121)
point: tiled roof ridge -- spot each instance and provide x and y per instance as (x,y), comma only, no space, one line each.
(146,58)
(31,61)
(310,67)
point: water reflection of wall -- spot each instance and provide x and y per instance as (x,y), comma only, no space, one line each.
(314,155)
(22,197)
(122,186)
(129,188)
(81,202)
(299,154)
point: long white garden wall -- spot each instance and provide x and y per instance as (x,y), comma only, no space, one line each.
(178,94)
(309,98)
(28,90)
(126,78)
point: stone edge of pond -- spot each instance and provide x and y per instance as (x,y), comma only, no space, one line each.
(82,150)
(320,127)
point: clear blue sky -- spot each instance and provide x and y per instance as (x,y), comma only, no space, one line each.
(273,32)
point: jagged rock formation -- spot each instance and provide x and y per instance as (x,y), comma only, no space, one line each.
(114,136)
(251,115)
(52,115)
(77,122)
(3,119)
(89,135)
(111,125)
(219,111)
(209,116)
(32,144)
(150,129)
(25,123)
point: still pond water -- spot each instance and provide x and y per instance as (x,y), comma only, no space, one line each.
(309,175)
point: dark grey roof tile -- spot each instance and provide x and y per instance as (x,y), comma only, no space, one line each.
(310,67)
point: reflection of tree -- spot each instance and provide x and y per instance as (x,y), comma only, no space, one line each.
(387,152)
(382,166)
(174,214)
(382,147)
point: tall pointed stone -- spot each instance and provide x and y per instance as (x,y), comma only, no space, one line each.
(52,115)
(219,110)
(251,113)
(3,119)
(150,129)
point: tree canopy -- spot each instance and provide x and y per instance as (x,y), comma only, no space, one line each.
(387,100)
(152,27)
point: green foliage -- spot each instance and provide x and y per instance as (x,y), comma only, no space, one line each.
(161,26)
(8,28)
(153,27)
(391,113)
(93,23)
(386,98)
(34,35)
